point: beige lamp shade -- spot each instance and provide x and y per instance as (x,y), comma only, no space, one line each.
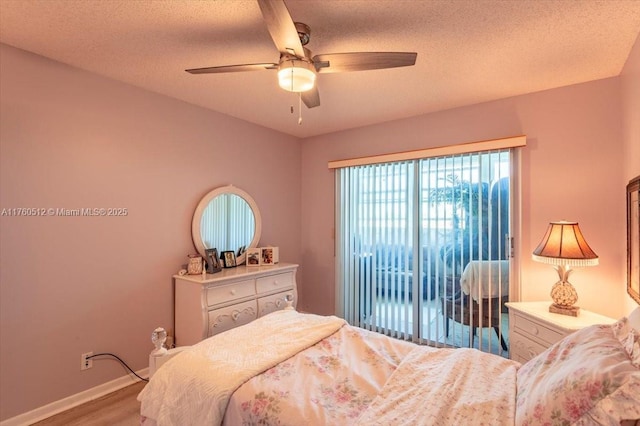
(564,244)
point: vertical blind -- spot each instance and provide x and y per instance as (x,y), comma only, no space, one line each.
(423,248)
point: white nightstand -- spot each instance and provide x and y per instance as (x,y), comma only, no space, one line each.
(532,328)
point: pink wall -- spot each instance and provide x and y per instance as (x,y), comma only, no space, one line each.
(72,139)
(70,285)
(570,170)
(630,78)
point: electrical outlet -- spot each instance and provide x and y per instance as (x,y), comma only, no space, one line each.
(85,361)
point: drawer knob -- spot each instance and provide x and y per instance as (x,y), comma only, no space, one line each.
(535,330)
(278,303)
(275,282)
(233,292)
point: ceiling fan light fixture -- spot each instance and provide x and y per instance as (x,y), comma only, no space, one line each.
(295,75)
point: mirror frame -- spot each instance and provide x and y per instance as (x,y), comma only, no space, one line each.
(202,205)
(633,239)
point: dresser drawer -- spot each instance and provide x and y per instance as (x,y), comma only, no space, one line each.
(209,304)
(229,292)
(523,349)
(224,319)
(272,303)
(274,282)
(537,331)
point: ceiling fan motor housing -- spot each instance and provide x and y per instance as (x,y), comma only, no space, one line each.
(304,32)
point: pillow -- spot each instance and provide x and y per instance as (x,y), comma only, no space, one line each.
(586,378)
(629,339)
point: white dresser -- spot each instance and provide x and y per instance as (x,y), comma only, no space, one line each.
(208,305)
(532,328)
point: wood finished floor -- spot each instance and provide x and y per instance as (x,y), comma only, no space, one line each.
(120,408)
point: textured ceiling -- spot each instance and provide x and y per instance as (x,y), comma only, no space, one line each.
(468,51)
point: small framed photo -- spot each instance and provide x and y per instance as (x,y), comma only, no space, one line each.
(213,263)
(253,256)
(266,256)
(228,259)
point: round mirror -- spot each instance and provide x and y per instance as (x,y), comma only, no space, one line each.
(226,219)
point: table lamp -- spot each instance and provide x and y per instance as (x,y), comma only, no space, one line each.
(563,246)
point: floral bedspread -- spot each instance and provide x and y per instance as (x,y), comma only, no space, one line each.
(360,377)
(330,383)
(194,387)
(447,387)
(350,377)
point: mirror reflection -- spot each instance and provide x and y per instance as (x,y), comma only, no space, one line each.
(227,223)
(226,219)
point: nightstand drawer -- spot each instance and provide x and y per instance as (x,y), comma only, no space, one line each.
(226,293)
(535,330)
(532,328)
(274,282)
(523,349)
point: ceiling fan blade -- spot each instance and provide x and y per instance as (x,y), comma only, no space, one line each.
(361,61)
(233,68)
(281,27)
(311,98)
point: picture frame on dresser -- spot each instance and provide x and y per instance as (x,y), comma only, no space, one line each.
(228,259)
(213,262)
(253,256)
(633,239)
(267,256)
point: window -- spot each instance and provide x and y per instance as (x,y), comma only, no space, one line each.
(424,248)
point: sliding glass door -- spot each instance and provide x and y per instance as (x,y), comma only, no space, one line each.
(424,247)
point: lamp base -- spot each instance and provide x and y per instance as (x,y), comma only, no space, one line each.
(564,310)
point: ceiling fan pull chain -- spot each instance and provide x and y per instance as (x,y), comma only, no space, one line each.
(292,88)
(300,108)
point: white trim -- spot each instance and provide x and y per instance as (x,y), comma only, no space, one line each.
(515,280)
(465,148)
(69,402)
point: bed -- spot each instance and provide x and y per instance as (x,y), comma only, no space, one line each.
(291,368)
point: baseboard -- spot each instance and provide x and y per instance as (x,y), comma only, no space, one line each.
(64,404)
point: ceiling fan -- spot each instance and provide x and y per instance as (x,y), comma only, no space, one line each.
(297,69)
